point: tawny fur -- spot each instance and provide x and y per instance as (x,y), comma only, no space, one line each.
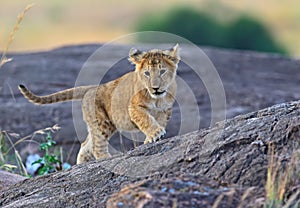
(139,100)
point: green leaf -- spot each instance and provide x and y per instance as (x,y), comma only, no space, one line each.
(44,146)
(43,170)
(52,159)
(50,143)
(39,161)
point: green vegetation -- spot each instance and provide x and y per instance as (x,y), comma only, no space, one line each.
(49,162)
(13,162)
(243,33)
(248,33)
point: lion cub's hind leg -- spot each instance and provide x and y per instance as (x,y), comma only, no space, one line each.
(100,137)
(85,153)
(96,144)
(100,127)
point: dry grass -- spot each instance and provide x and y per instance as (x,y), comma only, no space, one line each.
(281,185)
(11,38)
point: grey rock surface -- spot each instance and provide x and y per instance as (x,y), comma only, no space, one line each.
(8,179)
(223,166)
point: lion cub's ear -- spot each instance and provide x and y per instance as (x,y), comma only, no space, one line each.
(173,53)
(135,56)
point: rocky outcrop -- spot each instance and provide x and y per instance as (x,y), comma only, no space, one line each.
(222,166)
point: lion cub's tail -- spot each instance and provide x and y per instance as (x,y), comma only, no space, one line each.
(75,93)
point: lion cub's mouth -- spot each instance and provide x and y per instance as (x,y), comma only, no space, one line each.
(157,93)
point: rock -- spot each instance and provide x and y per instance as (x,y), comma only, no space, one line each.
(7,179)
(222,166)
(251,81)
(182,191)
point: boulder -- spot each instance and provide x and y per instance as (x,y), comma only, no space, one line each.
(222,166)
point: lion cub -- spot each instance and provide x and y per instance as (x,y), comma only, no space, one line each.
(139,100)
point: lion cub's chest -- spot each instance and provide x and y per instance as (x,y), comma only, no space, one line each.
(158,107)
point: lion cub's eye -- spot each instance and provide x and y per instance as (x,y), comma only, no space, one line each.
(147,73)
(161,72)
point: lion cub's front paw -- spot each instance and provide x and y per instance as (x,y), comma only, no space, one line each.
(158,134)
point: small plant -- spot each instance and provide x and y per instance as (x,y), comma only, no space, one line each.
(49,162)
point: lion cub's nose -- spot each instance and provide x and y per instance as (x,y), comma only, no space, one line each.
(155,88)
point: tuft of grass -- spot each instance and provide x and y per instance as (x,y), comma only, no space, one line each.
(11,37)
(279,182)
(3,158)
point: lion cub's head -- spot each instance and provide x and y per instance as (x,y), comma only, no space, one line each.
(156,68)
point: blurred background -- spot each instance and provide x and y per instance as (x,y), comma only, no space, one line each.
(269,25)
